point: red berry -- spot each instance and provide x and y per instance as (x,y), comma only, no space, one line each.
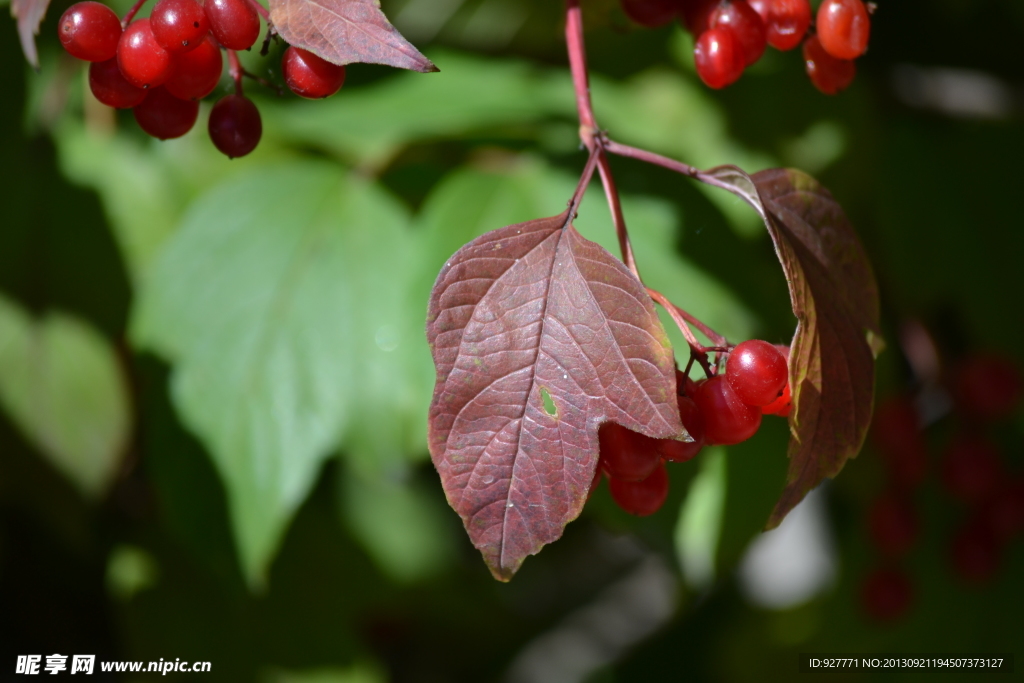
(164,116)
(625,454)
(235,23)
(757,372)
(179,25)
(681,451)
(197,72)
(843,27)
(90,31)
(974,553)
(1003,513)
(971,468)
(785,21)
(746,25)
(727,419)
(893,524)
(988,387)
(641,498)
(235,125)
(695,14)
(111,88)
(650,13)
(718,57)
(310,76)
(828,74)
(143,62)
(896,433)
(886,594)
(782,406)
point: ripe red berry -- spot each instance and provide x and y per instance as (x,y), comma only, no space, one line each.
(310,76)
(886,594)
(681,451)
(718,57)
(235,23)
(896,433)
(143,62)
(89,31)
(787,22)
(164,116)
(625,454)
(757,372)
(988,387)
(843,27)
(974,553)
(650,13)
(179,25)
(893,524)
(782,406)
(971,468)
(746,25)
(727,419)
(196,72)
(644,497)
(235,125)
(111,88)
(828,74)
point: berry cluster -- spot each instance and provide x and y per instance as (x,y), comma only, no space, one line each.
(732,34)
(973,472)
(723,409)
(162,65)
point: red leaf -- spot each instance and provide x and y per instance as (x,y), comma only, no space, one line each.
(345,31)
(538,336)
(29,14)
(835,298)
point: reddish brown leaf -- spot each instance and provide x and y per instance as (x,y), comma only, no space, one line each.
(538,337)
(29,14)
(346,31)
(835,298)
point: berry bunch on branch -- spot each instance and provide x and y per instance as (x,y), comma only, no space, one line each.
(162,65)
(553,367)
(731,35)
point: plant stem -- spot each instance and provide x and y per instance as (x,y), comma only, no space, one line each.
(235,70)
(261,9)
(581,187)
(658,160)
(131,13)
(578,66)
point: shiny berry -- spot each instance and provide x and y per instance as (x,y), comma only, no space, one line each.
(142,60)
(828,74)
(625,454)
(746,25)
(111,88)
(310,76)
(235,125)
(234,23)
(718,57)
(727,419)
(650,13)
(90,31)
(179,25)
(886,594)
(782,406)
(641,498)
(893,524)
(197,72)
(164,116)
(785,21)
(681,451)
(757,372)
(971,468)
(988,387)
(843,27)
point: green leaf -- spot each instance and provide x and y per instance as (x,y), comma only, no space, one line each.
(279,303)
(61,384)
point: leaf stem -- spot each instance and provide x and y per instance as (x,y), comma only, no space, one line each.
(131,13)
(581,187)
(235,70)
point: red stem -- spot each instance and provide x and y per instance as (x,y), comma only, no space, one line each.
(235,70)
(665,162)
(581,187)
(261,9)
(578,66)
(131,13)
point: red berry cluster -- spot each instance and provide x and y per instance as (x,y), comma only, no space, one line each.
(732,35)
(161,66)
(973,472)
(723,409)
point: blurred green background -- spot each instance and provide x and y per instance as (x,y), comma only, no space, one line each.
(214,377)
